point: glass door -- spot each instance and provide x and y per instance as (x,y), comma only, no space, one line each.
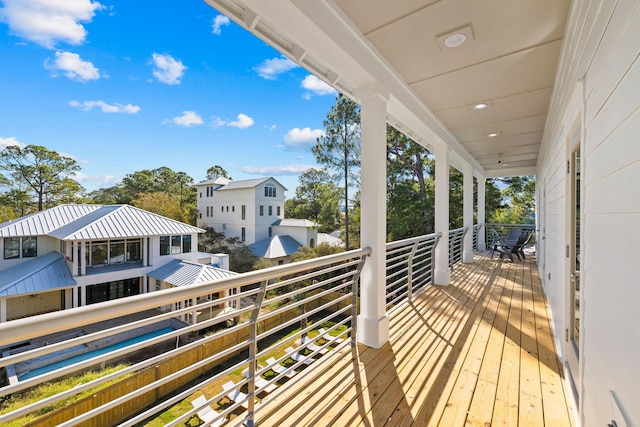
(573,335)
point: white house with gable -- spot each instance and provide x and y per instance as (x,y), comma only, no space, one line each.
(78,254)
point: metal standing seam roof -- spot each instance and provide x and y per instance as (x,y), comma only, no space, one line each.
(247,183)
(184,273)
(120,221)
(275,247)
(44,222)
(293,222)
(44,273)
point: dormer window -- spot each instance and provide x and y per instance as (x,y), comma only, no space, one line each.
(270,190)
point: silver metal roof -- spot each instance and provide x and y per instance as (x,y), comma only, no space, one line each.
(185,273)
(44,222)
(91,222)
(44,273)
(275,247)
(247,183)
(292,222)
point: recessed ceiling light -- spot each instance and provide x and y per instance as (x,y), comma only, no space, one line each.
(455,40)
(494,134)
(480,106)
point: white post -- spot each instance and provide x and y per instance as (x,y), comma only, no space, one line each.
(373,323)
(3,310)
(442,275)
(482,243)
(467,213)
(83,259)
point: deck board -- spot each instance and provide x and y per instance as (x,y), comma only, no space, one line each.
(476,352)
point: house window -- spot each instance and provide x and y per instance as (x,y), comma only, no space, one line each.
(11,247)
(29,247)
(244,234)
(261,210)
(270,232)
(164,245)
(278,210)
(176,246)
(98,253)
(207,191)
(233,208)
(134,250)
(270,210)
(186,243)
(201,194)
(221,208)
(207,211)
(244,212)
(116,252)
(269,191)
(158,285)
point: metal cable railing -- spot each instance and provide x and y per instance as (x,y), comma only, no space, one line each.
(318,293)
(409,267)
(456,238)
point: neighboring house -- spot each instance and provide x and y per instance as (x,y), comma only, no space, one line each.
(244,209)
(73,255)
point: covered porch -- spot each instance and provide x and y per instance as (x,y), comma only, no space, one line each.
(479,351)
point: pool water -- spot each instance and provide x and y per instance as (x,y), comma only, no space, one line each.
(94,353)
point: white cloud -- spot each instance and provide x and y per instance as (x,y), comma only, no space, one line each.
(219,22)
(96,181)
(243,122)
(270,68)
(277,170)
(10,141)
(188,118)
(301,139)
(315,86)
(167,69)
(106,108)
(47,22)
(72,66)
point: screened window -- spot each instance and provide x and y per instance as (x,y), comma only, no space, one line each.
(244,234)
(270,210)
(116,252)
(244,212)
(164,245)
(261,210)
(134,251)
(29,247)
(11,247)
(278,210)
(99,254)
(186,243)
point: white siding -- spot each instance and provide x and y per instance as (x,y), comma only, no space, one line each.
(601,50)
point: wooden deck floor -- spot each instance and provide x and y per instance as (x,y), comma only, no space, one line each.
(477,352)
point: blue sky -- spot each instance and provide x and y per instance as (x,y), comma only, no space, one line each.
(122,86)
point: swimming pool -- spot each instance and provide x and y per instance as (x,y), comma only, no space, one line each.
(94,353)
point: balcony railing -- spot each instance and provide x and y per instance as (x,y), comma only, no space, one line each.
(277,322)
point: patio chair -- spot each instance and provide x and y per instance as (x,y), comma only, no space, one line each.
(261,383)
(206,414)
(279,369)
(510,240)
(235,394)
(329,337)
(511,248)
(298,357)
(313,346)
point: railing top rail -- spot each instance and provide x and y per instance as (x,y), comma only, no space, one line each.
(410,240)
(35,326)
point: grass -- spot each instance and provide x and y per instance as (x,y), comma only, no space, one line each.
(43,391)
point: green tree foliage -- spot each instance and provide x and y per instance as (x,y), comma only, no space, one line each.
(42,174)
(520,196)
(339,149)
(136,188)
(317,199)
(241,259)
(217,171)
(410,187)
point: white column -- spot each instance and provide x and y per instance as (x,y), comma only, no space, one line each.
(74,297)
(441,274)
(467,214)
(3,310)
(373,323)
(83,260)
(482,243)
(83,295)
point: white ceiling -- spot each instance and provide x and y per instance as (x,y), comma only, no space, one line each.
(508,61)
